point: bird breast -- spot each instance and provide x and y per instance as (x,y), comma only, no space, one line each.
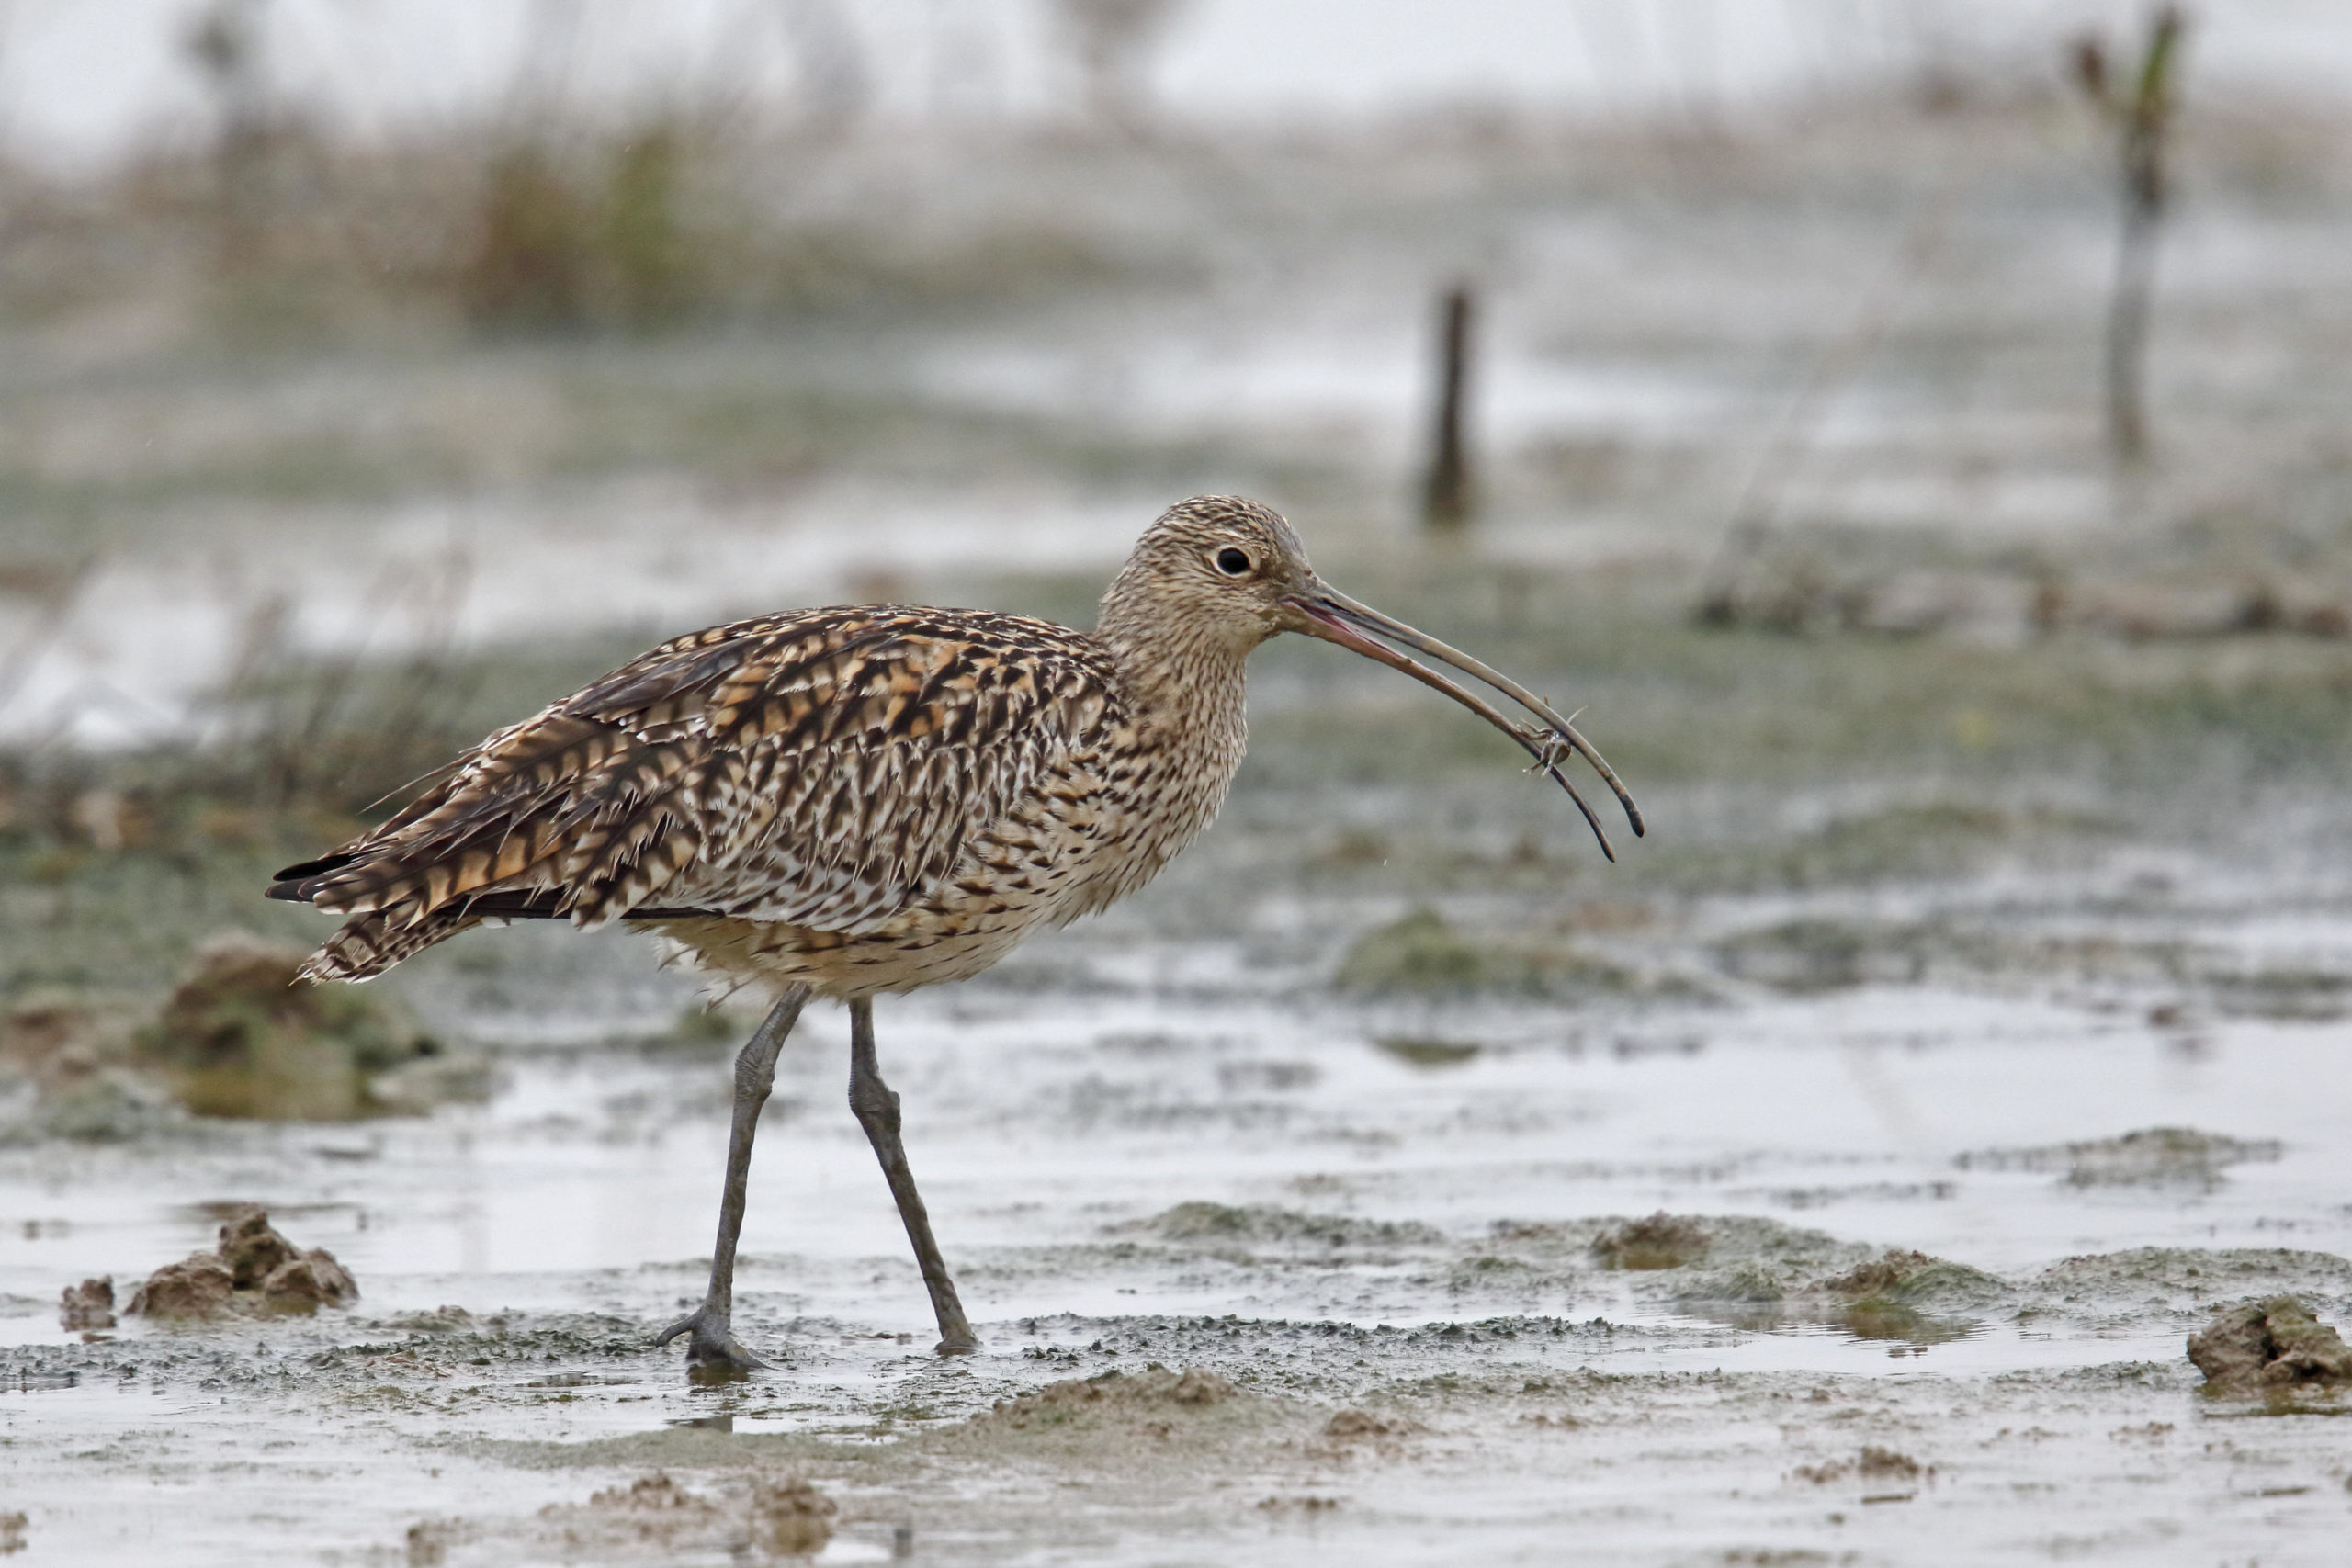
(1164,774)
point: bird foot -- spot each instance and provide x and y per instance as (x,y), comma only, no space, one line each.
(954,1344)
(713,1354)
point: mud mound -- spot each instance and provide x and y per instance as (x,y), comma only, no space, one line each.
(1422,1051)
(1743,1286)
(2185,1279)
(77,1059)
(1661,1241)
(253,1270)
(654,1509)
(1351,1425)
(1917,1280)
(1755,1271)
(1421,953)
(1199,1222)
(1721,1258)
(1810,956)
(1878,1276)
(34,1028)
(1059,1404)
(1814,955)
(88,1306)
(242,1037)
(786,1518)
(791,1519)
(253,1249)
(2152,1157)
(1894,1296)
(2269,1345)
(1130,1422)
(1743,1264)
(1873,1463)
(440,1320)
(196,1287)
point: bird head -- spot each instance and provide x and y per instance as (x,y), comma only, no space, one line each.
(1228,573)
(1216,567)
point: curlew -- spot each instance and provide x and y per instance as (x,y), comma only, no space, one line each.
(849,802)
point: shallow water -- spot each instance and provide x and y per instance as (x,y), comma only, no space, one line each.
(1371,1202)
(1165,1137)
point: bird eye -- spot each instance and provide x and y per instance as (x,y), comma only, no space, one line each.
(1233,562)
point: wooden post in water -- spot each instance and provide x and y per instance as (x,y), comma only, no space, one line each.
(227,44)
(2140,109)
(1446,499)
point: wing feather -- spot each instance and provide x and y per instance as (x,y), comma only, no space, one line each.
(820,768)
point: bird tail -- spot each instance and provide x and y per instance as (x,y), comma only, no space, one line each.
(369,944)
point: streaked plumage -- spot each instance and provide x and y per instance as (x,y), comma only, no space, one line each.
(852,801)
(868,800)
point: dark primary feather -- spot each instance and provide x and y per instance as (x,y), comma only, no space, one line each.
(820,768)
(281,884)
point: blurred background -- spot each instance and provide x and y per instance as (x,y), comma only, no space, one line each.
(1843,390)
(1916,434)
(351,329)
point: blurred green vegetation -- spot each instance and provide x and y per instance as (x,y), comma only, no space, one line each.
(747,417)
(532,308)
(1421,953)
(551,225)
(1914,760)
(240,1037)
(113,864)
(1668,701)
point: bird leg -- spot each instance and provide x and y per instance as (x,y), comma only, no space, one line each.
(711,1349)
(876,1109)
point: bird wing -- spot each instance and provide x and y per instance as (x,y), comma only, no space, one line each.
(820,768)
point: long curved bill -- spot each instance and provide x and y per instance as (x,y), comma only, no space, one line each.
(1551,740)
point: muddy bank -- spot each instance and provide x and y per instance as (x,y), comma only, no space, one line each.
(253,1270)
(1482,1267)
(1487,1436)
(2271,1346)
(1351,1352)
(238,1037)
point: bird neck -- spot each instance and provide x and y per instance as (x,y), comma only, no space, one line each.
(1179,675)
(1181,736)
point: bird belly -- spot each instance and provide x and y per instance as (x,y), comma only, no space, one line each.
(910,953)
(1024,874)
(1066,851)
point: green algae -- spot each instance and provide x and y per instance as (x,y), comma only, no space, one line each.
(241,1036)
(1212,1222)
(1421,953)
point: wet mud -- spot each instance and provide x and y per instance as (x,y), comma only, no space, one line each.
(238,1037)
(1742,1276)
(1841,1177)
(1343,1349)
(2271,1346)
(253,1270)
(241,1037)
